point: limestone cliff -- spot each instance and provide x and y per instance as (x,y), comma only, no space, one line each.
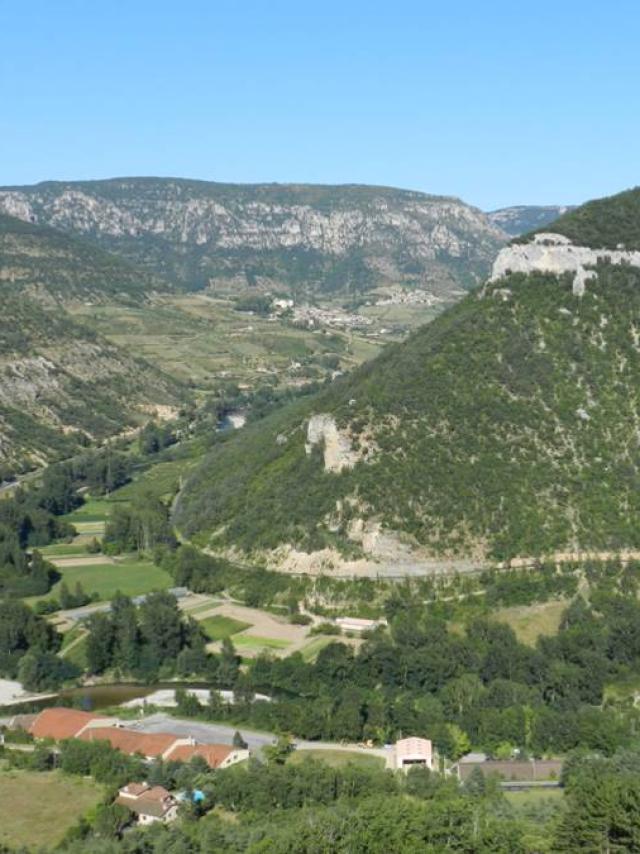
(299,238)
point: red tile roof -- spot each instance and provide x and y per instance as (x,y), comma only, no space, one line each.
(59,723)
(213,754)
(131,742)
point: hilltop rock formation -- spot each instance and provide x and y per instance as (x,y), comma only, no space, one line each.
(555,253)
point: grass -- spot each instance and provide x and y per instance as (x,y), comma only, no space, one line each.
(37,809)
(219,627)
(93,510)
(63,550)
(311,650)
(256,643)
(131,577)
(337,758)
(529,622)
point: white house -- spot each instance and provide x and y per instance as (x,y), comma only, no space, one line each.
(149,803)
(413,751)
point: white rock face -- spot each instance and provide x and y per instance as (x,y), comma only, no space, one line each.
(338,453)
(554,253)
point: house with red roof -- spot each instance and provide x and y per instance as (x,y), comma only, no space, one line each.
(62,723)
(215,755)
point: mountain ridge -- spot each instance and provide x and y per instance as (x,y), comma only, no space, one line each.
(339,240)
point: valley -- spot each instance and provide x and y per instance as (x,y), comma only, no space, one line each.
(327,523)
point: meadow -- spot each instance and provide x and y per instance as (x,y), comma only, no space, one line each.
(337,758)
(37,809)
(130,576)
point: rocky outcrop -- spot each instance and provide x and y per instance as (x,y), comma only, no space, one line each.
(311,237)
(338,453)
(554,253)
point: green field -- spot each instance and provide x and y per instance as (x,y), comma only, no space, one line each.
(93,510)
(219,627)
(131,577)
(63,550)
(337,758)
(251,642)
(37,809)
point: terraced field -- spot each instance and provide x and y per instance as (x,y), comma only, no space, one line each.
(199,339)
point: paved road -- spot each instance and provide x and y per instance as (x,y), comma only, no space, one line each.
(203,732)
(219,733)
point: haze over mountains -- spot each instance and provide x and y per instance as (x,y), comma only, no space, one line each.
(521,219)
(508,426)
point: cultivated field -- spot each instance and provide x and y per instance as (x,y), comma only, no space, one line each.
(218,628)
(37,809)
(198,338)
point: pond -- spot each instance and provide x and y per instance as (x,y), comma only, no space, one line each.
(93,697)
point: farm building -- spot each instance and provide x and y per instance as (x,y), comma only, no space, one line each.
(413,751)
(156,746)
(215,755)
(60,723)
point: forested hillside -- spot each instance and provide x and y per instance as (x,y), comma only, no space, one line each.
(329,241)
(610,223)
(506,427)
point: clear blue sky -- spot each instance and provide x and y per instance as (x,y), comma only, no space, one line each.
(499,102)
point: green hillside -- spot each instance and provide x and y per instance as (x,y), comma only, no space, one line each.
(62,385)
(602,223)
(509,426)
(47,263)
